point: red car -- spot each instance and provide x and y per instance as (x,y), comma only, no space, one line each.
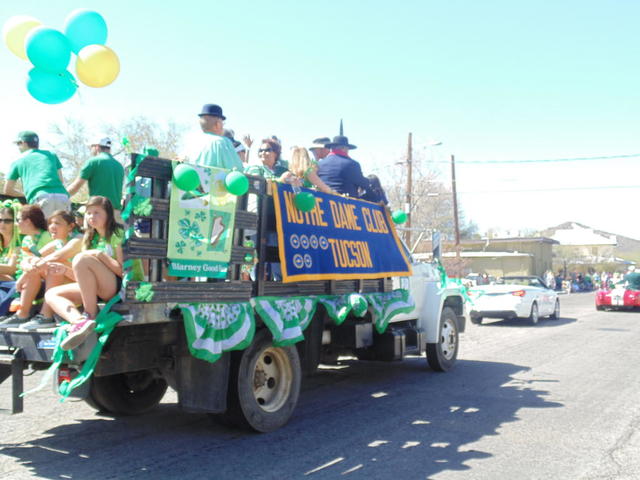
(625,294)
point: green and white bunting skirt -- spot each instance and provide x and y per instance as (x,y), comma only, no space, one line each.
(215,328)
(286,318)
(385,306)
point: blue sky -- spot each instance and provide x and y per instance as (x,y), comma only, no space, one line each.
(491,80)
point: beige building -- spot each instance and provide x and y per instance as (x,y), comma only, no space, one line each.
(495,264)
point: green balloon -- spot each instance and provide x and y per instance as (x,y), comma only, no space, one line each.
(186,177)
(399,216)
(236,183)
(305,201)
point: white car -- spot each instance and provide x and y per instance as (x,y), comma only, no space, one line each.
(514,297)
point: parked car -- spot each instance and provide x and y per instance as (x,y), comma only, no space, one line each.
(623,295)
(514,297)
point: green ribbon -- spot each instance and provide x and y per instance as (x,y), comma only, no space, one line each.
(106,321)
(144,293)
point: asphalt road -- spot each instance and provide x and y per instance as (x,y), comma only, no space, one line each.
(560,400)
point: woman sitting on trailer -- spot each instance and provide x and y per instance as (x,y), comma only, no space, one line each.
(10,248)
(97,269)
(33,226)
(53,267)
(301,167)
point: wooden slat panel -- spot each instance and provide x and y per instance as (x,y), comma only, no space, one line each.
(156,248)
(161,169)
(160,211)
(194,292)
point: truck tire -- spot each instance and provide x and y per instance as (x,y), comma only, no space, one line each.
(442,356)
(264,385)
(534,316)
(476,320)
(556,311)
(131,393)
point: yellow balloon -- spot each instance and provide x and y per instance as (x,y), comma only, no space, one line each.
(14,32)
(97,66)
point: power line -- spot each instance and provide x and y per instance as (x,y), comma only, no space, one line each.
(557,189)
(547,160)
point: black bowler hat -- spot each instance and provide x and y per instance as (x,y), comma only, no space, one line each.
(340,141)
(213,110)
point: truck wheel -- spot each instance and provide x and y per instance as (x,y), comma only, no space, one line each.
(476,320)
(534,316)
(556,311)
(264,385)
(130,393)
(442,355)
(599,307)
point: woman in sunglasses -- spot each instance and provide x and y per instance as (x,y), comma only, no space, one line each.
(10,243)
(272,166)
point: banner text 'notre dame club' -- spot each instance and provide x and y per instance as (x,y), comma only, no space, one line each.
(347,216)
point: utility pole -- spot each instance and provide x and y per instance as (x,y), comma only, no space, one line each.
(456,224)
(408,197)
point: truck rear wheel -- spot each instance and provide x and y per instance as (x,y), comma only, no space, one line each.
(131,393)
(264,385)
(442,355)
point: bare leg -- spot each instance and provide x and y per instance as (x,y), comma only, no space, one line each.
(31,283)
(63,300)
(51,281)
(95,280)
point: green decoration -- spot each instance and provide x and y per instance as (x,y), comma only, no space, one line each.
(358,304)
(151,152)
(237,183)
(186,177)
(304,201)
(214,328)
(286,317)
(248,258)
(142,206)
(144,292)
(386,305)
(399,217)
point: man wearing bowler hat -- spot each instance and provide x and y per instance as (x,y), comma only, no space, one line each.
(219,150)
(339,171)
(40,172)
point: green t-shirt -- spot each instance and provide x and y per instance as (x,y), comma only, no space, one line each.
(109,247)
(38,170)
(104,174)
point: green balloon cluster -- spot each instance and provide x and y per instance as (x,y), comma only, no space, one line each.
(399,216)
(304,201)
(185,177)
(236,183)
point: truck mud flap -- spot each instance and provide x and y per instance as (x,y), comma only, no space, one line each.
(12,366)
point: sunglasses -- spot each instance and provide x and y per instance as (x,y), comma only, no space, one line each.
(265,150)
(6,220)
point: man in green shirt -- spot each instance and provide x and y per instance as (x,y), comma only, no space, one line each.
(218,151)
(41,174)
(103,173)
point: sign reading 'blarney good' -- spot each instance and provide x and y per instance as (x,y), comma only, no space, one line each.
(201,224)
(341,238)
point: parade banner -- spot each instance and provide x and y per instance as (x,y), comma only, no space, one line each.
(201,224)
(341,238)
